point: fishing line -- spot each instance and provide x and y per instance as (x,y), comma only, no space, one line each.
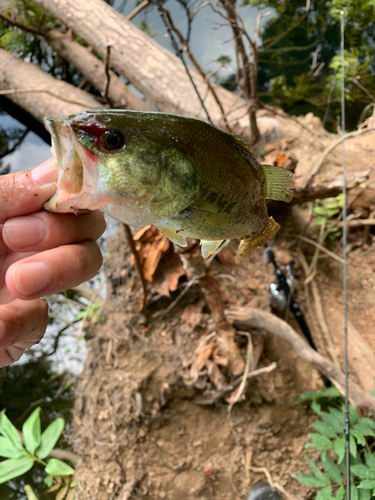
(180,54)
(345,265)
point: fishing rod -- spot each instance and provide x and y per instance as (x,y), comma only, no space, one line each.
(345,265)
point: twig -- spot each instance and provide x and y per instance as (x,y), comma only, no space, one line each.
(322,248)
(328,150)
(29,91)
(23,27)
(220,394)
(246,318)
(248,365)
(320,314)
(192,282)
(107,73)
(358,223)
(186,48)
(138,9)
(129,238)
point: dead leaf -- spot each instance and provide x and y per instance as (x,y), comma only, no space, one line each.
(160,264)
(193,313)
(281,159)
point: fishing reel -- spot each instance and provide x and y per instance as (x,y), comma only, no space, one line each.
(281,290)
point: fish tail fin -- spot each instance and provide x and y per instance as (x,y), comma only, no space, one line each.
(278,183)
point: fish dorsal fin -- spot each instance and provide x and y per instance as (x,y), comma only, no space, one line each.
(278,183)
(173,236)
(209,247)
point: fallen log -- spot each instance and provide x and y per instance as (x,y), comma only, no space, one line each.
(39,93)
(247,318)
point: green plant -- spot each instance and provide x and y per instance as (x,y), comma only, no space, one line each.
(22,451)
(329,470)
(94,313)
(324,211)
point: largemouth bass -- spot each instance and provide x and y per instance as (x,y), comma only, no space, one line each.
(183,175)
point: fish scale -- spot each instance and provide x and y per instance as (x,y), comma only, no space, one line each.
(187,177)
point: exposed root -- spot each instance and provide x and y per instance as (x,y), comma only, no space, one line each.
(246,318)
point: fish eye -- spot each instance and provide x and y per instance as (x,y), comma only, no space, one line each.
(112,140)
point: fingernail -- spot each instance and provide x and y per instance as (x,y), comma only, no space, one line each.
(46,172)
(22,232)
(31,277)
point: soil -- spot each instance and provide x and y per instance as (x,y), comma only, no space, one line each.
(140,428)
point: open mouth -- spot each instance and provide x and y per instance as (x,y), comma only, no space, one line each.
(70,178)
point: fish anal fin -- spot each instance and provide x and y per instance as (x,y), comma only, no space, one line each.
(173,236)
(247,246)
(209,247)
(278,183)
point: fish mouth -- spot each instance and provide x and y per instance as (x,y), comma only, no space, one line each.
(70,177)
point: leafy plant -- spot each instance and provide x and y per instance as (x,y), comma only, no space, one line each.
(329,470)
(21,454)
(94,313)
(325,210)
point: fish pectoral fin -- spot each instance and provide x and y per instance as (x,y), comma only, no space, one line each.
(209,247)
(278,183)
(247,246)
(173,236)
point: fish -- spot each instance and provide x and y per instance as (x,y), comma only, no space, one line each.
(181,174)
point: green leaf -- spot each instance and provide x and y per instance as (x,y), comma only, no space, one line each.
(324,429)
(318,441)
(57,467)
(7,449)
(370,460)
(14,467)
(339,448)
(340,493)
(29,492)
(50,437)
(320,221)
(331,469)
(318,473)
(363,428)
(310,480)
(361,440)
(353,415)
(48,481)
(8,430)
(333,422)
(319,211)
(31,431)
(324,493)
(368,422)
(364,495)
(315,406)
(354,492)
(363,472)
(352,446)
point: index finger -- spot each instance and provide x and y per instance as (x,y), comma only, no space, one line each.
(25,192)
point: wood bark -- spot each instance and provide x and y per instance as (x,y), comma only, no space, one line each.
(118,95)
(39,93)
(153,70)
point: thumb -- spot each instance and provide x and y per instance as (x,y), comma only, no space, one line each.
(25,192)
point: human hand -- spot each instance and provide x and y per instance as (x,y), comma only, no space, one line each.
(40,254)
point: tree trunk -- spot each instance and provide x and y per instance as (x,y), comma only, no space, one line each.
(118,95)
(39,93)
(153,70)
